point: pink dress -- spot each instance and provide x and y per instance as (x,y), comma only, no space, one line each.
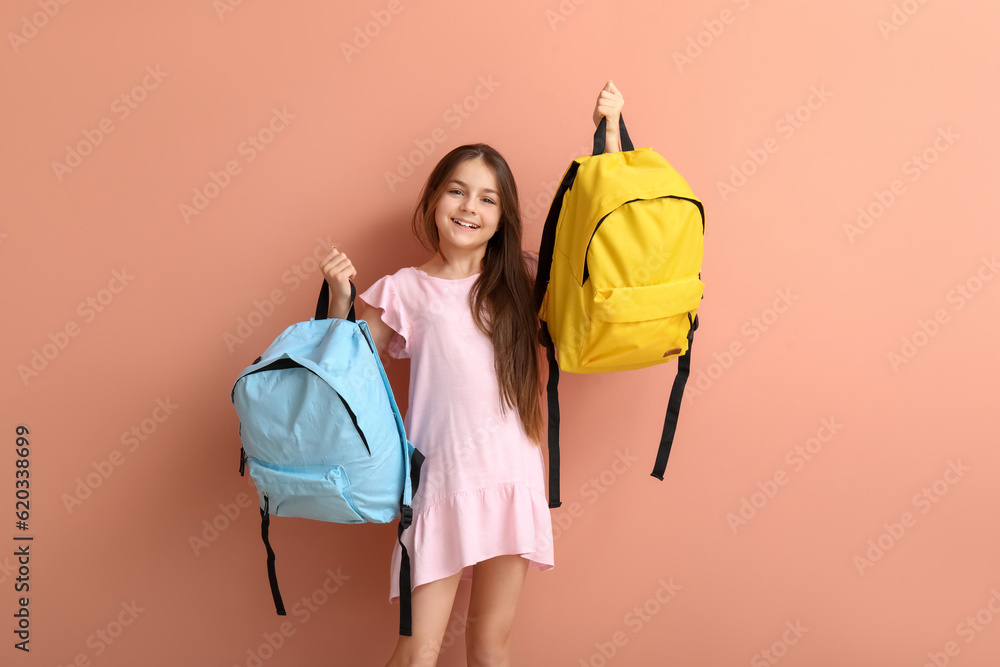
(482,488)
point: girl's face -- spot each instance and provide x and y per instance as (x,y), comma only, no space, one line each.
(468,212)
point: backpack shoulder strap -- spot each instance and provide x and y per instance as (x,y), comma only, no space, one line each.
(272,576)
(405,517)
(545,252)
(552,395)
(674,404)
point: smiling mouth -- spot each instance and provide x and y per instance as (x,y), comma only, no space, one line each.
(462,223)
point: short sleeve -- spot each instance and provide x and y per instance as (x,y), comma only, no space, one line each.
(383,295)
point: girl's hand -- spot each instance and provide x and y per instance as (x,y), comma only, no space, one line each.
(338,271)
(609,105)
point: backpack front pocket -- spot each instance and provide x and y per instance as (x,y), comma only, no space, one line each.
(635,327)
(309,492)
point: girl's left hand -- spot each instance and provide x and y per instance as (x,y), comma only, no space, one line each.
(609,104)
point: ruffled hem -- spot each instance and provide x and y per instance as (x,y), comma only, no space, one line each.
(464,528)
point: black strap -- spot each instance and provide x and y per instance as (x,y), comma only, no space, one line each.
(552,394)
(323,303)
(405,518)
(545,250)
(674,404)
(600,138)
(272,576)
(548,244)
(405,608)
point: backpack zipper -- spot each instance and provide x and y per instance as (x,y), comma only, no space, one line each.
(586,253)
(282,364)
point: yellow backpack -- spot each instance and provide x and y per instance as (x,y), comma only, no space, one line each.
(619,275)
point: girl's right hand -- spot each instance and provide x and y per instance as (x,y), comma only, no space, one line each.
(338,271)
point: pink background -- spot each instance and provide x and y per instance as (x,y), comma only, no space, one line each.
(803,312)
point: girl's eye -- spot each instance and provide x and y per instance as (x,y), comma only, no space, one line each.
(488,200)
(455,192)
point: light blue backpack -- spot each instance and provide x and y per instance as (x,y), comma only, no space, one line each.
(322,436)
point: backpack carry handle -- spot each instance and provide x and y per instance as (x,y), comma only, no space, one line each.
(600,139)
(323,303)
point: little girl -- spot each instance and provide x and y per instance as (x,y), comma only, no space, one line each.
(467,321)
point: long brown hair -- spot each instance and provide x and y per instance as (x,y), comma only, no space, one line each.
(502,300)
